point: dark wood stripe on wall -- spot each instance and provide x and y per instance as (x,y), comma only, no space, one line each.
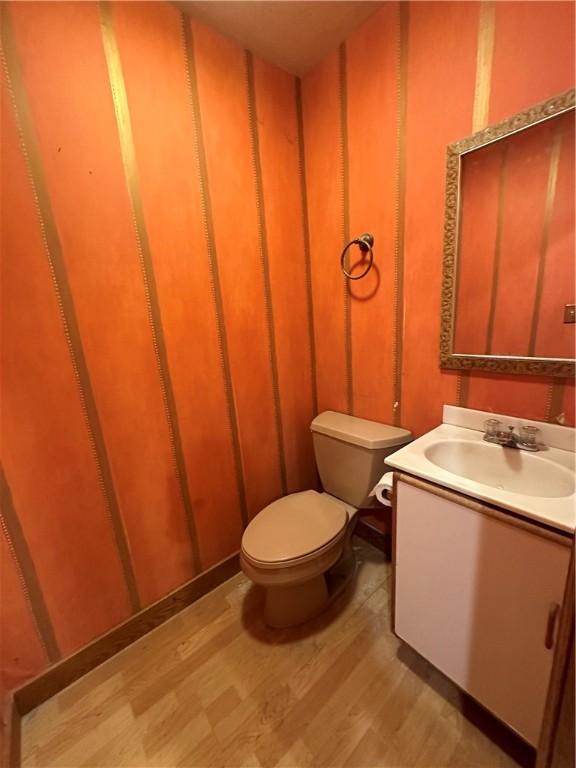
(121,109)
(484,58)
(306,233)
(555,400)
(212,254)
(548,211)
(345,181)
(26,571)
(462,389)
(263,247)
(399,213)
(482,88)
(53,249)
(497,249)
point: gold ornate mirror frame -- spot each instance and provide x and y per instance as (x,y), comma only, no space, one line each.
(488,363)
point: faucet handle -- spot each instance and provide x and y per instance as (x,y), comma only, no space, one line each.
(529,435)
(492,427)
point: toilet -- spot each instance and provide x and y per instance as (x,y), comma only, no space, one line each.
(299,547)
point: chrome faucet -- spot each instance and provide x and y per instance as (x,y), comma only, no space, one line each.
(525,441)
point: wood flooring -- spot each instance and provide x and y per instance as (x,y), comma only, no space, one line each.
(213,687)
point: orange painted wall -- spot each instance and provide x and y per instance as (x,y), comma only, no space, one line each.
(222,207)
(437,45)
(481,179)
(514,173)
(532,59)
(63,575)
(559,275)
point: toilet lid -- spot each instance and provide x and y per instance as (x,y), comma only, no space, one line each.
(294,526)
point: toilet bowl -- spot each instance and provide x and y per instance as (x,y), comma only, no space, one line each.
(298,548)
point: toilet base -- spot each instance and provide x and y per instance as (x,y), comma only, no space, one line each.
(294,604)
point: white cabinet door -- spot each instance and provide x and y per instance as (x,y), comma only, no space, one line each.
(473,595)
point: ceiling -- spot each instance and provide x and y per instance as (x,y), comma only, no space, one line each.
(292,34)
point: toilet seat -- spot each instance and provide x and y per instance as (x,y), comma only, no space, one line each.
(294,529)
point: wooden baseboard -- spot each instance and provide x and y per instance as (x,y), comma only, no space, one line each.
(10,755)
(60,675)
(373,536)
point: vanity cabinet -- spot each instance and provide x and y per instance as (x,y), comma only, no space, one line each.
(478,592)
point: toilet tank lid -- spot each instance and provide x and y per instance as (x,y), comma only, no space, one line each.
(350,429)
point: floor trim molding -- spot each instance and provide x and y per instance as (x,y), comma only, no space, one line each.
(60,675)
(374,536)
(10,733)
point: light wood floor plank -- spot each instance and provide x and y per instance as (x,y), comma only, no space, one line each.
(215,688)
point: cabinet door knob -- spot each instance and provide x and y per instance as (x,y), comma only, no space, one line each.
(551,625)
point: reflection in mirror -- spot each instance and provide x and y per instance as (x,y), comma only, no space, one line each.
(516,270)
(508,283)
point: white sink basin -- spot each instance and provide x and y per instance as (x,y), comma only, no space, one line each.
(510,470)
(540,486)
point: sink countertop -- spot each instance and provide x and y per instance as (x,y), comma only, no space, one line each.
(557,512)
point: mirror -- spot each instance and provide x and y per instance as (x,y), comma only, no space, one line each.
(509,266)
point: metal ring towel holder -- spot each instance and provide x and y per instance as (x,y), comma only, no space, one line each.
(365,242)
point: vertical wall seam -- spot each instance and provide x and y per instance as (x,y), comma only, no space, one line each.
(497,250)
(543,251)
(306,238)
(462,388)
(554,400)
(65,301)
(345,188)
(482,89)
(399,209)
(27,576)
(124,126)
(548,405)
(212,254)
(265,264)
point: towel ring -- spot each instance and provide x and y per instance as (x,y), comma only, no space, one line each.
(365,243)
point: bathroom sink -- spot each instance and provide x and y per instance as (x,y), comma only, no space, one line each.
(507,469)
(539,486)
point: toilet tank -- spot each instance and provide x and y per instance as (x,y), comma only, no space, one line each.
(350,454)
